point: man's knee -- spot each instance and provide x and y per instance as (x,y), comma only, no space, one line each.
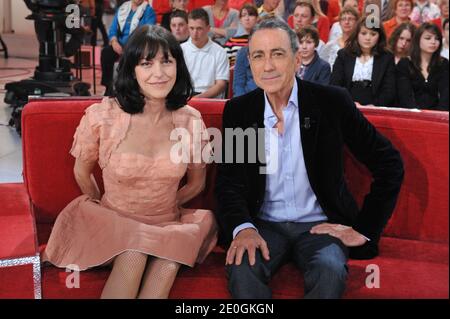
(330,262)
(242,271)
(246,281)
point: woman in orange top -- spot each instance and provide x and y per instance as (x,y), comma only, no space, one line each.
(402,11)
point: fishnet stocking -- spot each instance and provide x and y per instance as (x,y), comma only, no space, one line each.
(158,279)
(125,277)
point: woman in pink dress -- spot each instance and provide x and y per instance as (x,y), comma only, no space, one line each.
(145,139)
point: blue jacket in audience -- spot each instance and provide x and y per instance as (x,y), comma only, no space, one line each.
(122,33)
(242,78)
(318,71)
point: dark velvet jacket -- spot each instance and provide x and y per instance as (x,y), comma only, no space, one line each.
(329,120)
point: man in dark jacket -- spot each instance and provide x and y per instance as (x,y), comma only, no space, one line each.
(301,209)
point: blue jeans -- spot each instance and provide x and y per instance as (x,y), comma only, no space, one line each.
(321,258)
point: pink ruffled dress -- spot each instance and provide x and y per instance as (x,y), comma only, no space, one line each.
(138,210)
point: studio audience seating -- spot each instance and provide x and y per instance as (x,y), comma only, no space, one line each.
(413,261)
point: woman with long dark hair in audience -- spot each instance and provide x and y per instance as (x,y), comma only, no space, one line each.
(423,79)
(400,41)
(365,67)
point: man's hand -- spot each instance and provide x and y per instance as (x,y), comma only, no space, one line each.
(349,236)
(246,240)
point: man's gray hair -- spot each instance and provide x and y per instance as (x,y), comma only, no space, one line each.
(276,23)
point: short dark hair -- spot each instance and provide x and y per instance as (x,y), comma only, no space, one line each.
(179,14)
(372,23)
(144,43)
(308,4)
(309,31)
(251,9)
(199,14)
(444,23)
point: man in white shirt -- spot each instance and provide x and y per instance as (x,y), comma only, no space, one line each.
(207,61)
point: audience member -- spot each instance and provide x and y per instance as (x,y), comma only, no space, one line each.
(402,11)
(364,66)
(179,25)
(206,60)
(443,6)
(243,82)
(347,21)
(248,16)
(399,43)
(175,5)
(269,7)
(304,15)
(424,11)
(221,19)
(336,29)
(423,79)
(130,15)
(312,67)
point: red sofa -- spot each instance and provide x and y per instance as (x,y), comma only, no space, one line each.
(413,261)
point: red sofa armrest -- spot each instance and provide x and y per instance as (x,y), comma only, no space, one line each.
(19,249)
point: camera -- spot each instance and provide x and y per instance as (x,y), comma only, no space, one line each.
(58,41)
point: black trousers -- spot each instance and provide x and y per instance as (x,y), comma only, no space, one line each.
(321,258)
(97,24)
(108,58)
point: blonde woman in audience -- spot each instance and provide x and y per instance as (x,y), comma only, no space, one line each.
(400,41)
(348,18)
